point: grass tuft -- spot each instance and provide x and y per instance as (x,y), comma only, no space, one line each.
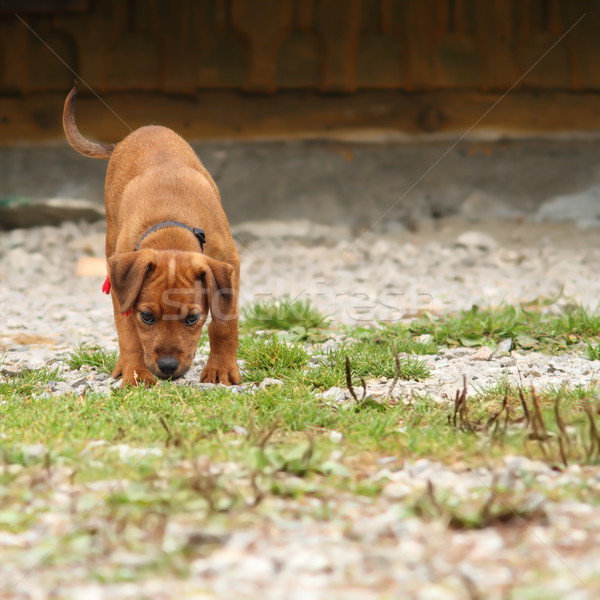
(528,330)
(368,360)
(92,356)
(285,315)
(396,336)
(592,351)
(28,382)
(269,356)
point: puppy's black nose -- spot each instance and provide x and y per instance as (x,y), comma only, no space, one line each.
(167,365)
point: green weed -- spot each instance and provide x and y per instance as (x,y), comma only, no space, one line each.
(269,356)
(368,360)
(296,316)
(28,382)
(93,356)
(528,330)
(592,351)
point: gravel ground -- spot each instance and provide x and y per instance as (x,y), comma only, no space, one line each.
(47,309)
(367,551)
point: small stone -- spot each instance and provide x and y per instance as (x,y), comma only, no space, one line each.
(336,436)
(398,490)
(426,338)
(34,450)
(268,382)
(380,248)
(336,394)
(505,346)
(90,245)
(239,430)
(329,346)
(420,466)
(524,464)
(507,361)
(477,240)
(483,353)
(206,386)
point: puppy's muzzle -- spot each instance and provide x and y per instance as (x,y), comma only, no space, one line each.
(167,365)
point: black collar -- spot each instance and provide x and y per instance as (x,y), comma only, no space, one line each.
(199,233)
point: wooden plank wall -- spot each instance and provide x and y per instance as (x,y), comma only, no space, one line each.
(333,46)
(248,68)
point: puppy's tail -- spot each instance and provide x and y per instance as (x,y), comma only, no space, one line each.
(77,141)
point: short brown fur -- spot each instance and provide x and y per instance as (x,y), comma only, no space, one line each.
(154,176)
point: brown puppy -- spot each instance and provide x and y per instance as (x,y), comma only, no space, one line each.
(171,257)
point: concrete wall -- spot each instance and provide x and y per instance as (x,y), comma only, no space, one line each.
(331,182)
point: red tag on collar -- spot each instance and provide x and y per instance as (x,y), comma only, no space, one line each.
(106,290)
(106,285)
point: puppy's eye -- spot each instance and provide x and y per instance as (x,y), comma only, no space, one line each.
(192,319)
(147,318)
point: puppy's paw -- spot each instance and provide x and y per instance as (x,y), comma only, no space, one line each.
(117,371)
(133,376)
(225,374)
(141,377)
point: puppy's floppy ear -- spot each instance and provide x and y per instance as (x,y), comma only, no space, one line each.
(127,272)
(217,278)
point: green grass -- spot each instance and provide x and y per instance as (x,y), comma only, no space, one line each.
(298,317)
(27,382)
(397,336)
(197,422)
(212,462)
(529,330)
(209,461)
(269,356)
(592,351)
(193,418)
(367,360)
(93,356)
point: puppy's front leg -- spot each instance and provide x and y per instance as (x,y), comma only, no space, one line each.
(130,366)
(221,366)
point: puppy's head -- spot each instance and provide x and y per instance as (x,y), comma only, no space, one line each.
(170,294)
